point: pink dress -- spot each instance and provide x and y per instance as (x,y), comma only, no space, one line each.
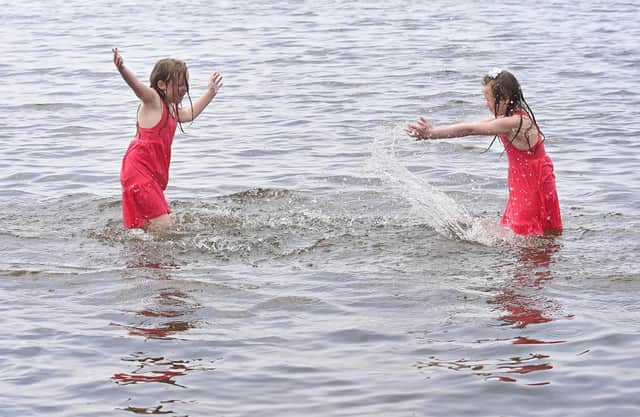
(145,172)
(533,208)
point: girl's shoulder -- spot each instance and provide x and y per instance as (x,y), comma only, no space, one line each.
(514,121)
(521,112)
(521,119)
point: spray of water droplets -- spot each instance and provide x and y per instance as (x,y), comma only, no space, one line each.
(433,206)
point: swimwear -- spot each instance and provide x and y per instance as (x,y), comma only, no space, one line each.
(145,172)
(532,208)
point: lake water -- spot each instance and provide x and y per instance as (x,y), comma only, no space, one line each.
(322,263)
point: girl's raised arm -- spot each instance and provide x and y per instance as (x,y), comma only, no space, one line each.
(215,84)
(145,93)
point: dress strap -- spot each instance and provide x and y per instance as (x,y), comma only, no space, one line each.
(520,113)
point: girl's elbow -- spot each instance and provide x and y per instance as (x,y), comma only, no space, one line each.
(187,116)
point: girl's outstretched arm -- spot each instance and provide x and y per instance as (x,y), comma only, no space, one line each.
(190,113)
(422,129)
(145,93)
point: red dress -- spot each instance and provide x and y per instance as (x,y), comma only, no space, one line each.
(533,207)
(145,172)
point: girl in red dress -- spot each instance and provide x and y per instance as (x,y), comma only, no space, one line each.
(532,208)
(145,166)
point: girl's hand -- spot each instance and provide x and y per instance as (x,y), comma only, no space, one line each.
(419,130)
(215,83)
(117,59)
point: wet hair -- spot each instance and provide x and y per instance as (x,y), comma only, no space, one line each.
(167,70)
(504,85)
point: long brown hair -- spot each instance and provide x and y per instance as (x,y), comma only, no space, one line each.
(170,69)
(504,85)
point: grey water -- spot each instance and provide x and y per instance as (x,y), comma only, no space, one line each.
(322,263)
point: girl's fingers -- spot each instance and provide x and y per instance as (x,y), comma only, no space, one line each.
(412,130)
(217,78)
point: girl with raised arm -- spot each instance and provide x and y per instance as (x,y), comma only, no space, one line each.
(532,207)
(145,166)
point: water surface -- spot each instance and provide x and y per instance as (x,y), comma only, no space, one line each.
(322,263)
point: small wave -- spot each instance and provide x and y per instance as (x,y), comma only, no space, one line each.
(49,106)
(254,224)
(265,225)
(260,194)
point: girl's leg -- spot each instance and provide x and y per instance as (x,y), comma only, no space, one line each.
(158,224)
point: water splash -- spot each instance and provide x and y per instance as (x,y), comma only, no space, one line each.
(255,224)
(440,211)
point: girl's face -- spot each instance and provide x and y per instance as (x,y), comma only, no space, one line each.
(491,100)
(176,90)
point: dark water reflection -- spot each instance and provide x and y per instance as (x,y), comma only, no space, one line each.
(522,301)
(165,313)
(520,304)
(170,303)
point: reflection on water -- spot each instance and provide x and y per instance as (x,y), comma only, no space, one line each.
(521,366)
(169,303)
(522,299)
(521,303)
(524,304)
(521,310)
(158,369)
(156,376)
(520,340)
(161,332)
(503,370)
(142,410)
(160,409)
(166,312)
